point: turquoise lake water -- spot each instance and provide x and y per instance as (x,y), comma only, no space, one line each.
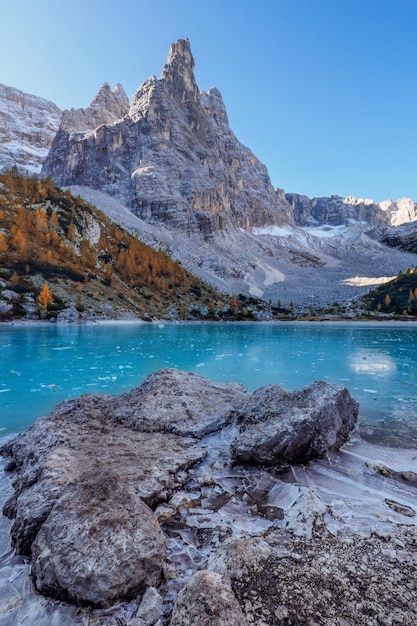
(40,365)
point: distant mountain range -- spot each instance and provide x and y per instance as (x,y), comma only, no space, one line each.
(168,167)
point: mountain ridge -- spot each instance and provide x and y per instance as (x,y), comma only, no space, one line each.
(337,210)
(28,125)
(171,159)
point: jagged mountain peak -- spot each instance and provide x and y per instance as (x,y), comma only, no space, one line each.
(337,210)
(175,88)
(114,100)
(107,107)
(180,52)
(173,159)
(178,73)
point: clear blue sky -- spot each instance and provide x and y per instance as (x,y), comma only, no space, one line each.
(324,92)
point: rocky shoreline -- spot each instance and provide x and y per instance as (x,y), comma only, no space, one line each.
(185,501)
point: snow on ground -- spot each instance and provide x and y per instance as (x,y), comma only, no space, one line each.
(367,281)
(275,231)
(272,275)
(328,231)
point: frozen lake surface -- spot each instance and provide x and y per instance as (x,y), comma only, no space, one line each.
(40,365)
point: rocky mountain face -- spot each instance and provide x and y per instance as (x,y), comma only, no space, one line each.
(168,168)
(107,107)
(336,211)
(28,125)
(171,156)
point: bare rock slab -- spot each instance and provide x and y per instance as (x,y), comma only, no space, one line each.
(174,401)
(280,428)
(87,474)
(78,439)
(101,543)
(207,600)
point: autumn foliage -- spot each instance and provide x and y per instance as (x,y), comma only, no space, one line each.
(45,297)
(47,232)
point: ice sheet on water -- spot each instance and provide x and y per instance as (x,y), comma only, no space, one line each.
(366,487)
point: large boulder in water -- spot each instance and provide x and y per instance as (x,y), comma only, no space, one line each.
(88,475)
(280,428)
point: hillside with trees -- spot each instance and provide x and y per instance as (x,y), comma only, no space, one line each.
(59,253)
(407,242)
(397,297)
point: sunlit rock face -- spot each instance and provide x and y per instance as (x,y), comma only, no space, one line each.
(171,157)
(107,107)
(28,125)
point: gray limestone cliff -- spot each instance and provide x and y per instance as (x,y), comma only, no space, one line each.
(337,211)
(28,125)
(171,158)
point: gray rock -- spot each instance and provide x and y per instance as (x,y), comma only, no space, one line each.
(31,309)
(5,307)
(337,210)
(183,403)
(107,107)
(68,316)
(237,555)
(87,475)
(207,600)
(279,428)
(150,610)
(100,544)
(28,125)
(9,294)
(326,580)
(80,438)
(172,158)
